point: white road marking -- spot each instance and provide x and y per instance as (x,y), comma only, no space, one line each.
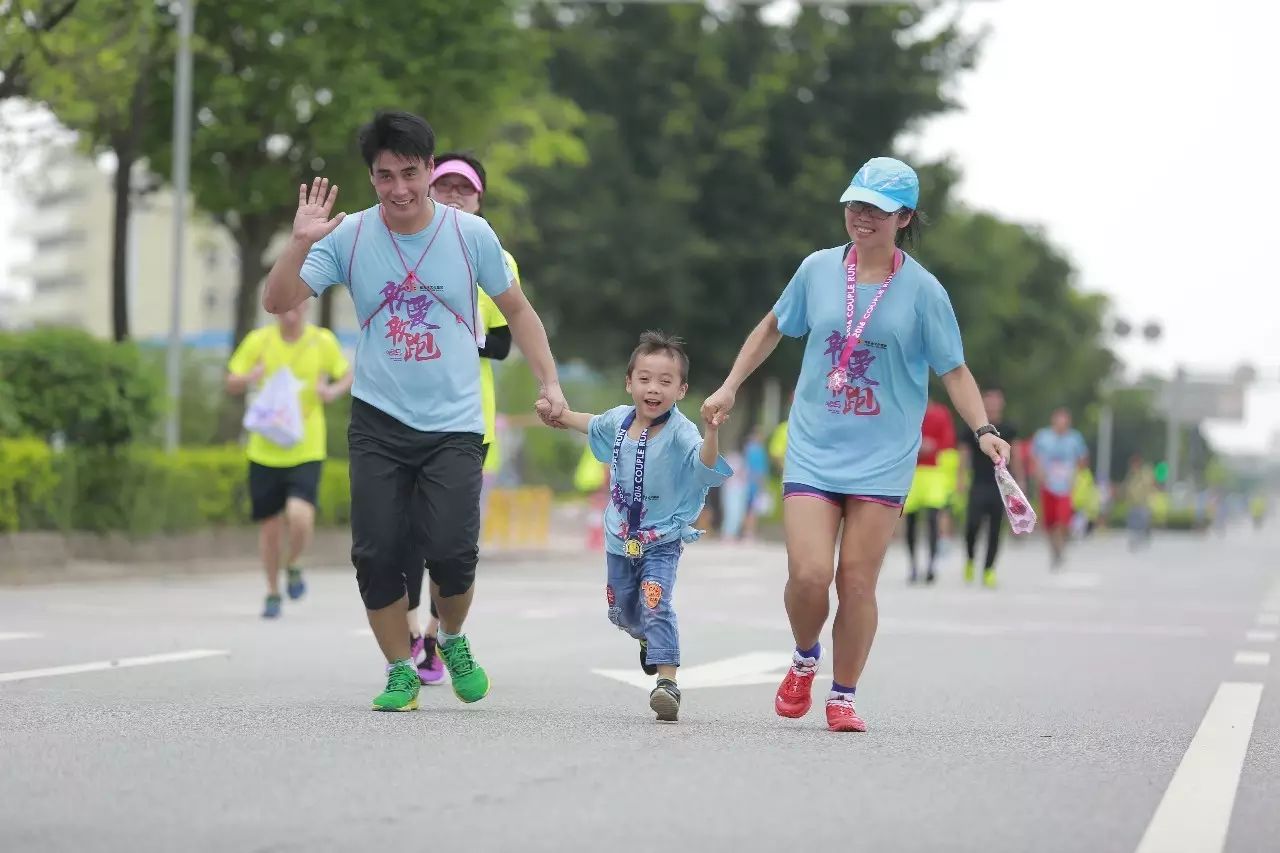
(362,632)
(751,668)
(1260,636)
(18,635)
(121,663)
(1253,658)
(1269,618)
(1195,812)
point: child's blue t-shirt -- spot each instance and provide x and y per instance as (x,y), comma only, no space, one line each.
(675,480)
(416,357)
(862,440)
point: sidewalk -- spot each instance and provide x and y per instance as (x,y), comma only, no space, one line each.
(38,558)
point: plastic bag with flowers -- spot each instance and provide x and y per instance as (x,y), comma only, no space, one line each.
(1021,516)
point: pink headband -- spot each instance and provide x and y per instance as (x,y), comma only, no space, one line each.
(458,167)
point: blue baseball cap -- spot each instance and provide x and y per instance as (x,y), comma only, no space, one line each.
(887,183)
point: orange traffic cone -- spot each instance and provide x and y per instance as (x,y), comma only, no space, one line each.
(595,524)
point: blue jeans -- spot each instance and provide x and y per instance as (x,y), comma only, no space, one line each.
(639,595)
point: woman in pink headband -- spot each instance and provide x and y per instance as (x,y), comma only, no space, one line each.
(458,181)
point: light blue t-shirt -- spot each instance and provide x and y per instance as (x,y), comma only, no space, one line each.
(863,440)
(675,480)
(757,460)
(416,357)
(1058,456)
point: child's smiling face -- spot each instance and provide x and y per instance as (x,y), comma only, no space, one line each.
(655,384)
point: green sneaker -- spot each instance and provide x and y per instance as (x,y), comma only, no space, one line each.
(402,689)
(470,682)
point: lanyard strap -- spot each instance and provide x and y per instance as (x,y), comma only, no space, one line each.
(410,274)
(396,292)
(637,486)
(853,336)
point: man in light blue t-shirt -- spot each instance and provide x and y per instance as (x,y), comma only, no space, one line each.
(1057,452)
(417,425)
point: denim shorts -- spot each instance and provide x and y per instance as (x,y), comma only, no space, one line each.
(639,596)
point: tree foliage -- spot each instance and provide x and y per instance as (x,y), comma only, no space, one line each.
(281,89)
(715,162)
(1026,327)
(24,25)
(92,393)
(91,63)
(715,167)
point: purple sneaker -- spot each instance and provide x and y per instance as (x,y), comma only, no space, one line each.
(430,667)
(415,648)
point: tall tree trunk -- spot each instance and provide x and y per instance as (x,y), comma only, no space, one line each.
(120,237)
(126,143)
(251,243)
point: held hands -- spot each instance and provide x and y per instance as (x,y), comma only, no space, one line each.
(255,375)
(716,408)
(995,447)
(551,405)
(312,222)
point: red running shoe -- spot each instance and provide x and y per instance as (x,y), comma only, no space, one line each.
(840,714)
(793,699)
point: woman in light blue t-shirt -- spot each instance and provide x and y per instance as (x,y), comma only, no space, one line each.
(875,323)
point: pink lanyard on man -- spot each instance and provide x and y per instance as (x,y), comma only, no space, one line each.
(411,275)
(838,378)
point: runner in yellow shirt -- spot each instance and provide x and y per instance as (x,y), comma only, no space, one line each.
(284,481)
(459,181)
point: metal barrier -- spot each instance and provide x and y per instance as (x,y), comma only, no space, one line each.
(518,518)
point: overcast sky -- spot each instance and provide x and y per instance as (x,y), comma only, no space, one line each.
(1143,139)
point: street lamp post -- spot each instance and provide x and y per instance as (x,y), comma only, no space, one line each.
(1121,329)
(181,175)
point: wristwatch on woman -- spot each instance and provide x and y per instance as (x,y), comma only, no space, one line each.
(989,429)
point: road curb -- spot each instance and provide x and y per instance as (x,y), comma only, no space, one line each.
(48,558)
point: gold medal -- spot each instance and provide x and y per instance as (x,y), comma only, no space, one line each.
(632,548)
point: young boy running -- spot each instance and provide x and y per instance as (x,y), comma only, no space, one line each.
(660,470)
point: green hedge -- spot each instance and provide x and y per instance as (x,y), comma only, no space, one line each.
(64,381)
(32,489)
(137,491)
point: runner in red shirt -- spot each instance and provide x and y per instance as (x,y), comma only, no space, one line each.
(929,490)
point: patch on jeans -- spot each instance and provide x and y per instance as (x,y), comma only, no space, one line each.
(652,593)
(609,596)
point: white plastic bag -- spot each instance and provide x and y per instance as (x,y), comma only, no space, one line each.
(276,413)
(1021,516)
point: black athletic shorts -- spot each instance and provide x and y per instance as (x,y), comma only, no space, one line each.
(415,498)
(269,487)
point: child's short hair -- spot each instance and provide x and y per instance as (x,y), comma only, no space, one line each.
(652,342)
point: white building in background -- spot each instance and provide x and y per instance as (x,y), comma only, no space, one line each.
(68,219)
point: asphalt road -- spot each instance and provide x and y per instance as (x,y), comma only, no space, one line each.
(1125,697)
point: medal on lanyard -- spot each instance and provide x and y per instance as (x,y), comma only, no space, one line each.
(838,378)
(633,547)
